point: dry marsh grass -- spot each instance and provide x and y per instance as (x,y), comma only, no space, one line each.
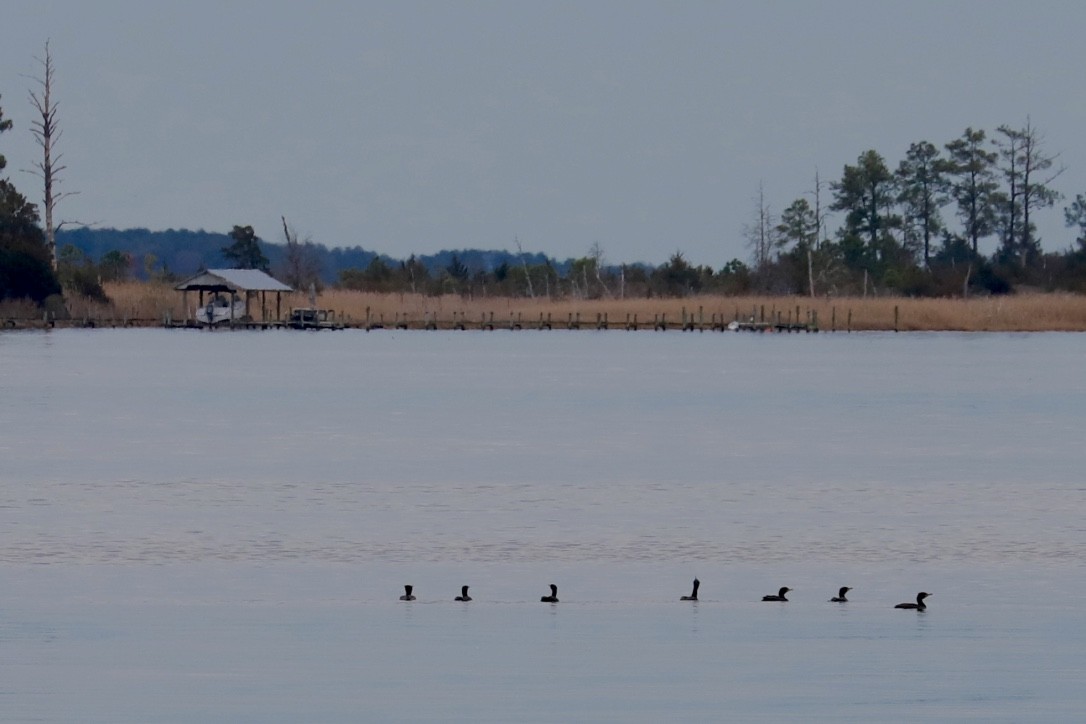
(151,302)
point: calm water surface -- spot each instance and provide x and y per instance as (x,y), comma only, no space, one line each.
(215,527)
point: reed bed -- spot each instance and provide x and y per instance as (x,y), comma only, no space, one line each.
(152,302)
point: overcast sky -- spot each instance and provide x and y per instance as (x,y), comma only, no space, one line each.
(413,127)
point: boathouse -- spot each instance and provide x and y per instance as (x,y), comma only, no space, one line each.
(247,284)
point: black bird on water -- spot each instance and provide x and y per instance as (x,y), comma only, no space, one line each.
(779,596)
(693,594)
(407,593)
(463,594)
(840,597)
(553,598)
(919,605)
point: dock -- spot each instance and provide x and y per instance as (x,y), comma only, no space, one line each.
(318,319)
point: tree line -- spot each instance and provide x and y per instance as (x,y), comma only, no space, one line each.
(911,229)
(916,229)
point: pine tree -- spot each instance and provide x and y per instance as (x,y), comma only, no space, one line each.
(245,252)
(971,170)
(923,191)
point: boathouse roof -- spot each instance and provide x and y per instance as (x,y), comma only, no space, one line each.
(233,280)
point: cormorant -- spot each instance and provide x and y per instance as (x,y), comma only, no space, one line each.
(840,597)
(693,594)
(779,596)
(919,605)
(553,598)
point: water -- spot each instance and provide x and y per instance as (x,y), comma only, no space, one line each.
(216,527)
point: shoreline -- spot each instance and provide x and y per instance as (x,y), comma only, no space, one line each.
(135,304)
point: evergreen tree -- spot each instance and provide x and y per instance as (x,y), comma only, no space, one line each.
(676,278)
(972,184)
(457,270)
(1027,171)
(1075,217)
(245,252)
(922,191)
(4,126)
(799,227)
(866,194)
(26,270)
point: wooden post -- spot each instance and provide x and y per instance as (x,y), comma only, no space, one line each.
(895,318)
(849,328)
(833,319)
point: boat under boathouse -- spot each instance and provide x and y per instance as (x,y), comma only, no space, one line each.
(233,295)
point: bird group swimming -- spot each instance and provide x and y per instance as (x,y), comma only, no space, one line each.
(780,595)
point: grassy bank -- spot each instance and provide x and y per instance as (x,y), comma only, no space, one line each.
(150,303)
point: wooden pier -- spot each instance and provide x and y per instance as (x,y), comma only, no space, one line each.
(776,321)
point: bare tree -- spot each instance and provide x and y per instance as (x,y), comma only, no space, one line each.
(820,215)
(301,268)
(47,133)
(524,263)
(761,235)
(819,221)
(595,253)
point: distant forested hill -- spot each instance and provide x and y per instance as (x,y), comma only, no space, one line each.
(182,253)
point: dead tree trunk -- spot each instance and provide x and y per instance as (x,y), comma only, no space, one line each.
(47,133)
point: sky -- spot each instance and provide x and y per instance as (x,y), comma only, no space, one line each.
(411,127)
